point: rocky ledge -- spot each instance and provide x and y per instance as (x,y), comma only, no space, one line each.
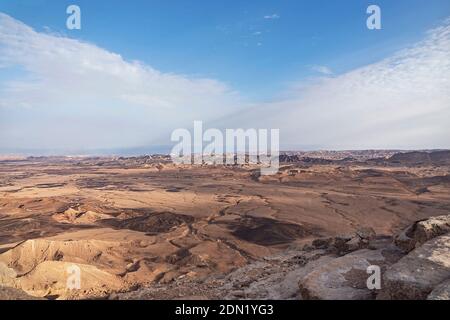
(414,266)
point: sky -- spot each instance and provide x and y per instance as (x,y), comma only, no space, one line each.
(137,70)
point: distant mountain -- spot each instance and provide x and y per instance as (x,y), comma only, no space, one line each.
(422,157)
(135,151)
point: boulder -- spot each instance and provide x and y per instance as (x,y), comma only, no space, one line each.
(432,228)
(416,275)
(441,292)
(322,243)
(365,233)
(346,243)
(345,278)
(422,231)
(405,239)
(352,242)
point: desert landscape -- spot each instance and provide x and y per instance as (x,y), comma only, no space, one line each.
(224,158)
(145,228)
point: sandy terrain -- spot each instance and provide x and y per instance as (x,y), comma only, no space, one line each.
(130,224)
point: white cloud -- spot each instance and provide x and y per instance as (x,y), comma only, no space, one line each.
(400,102)
(65,76)
(75,94)
(272,16)
(322,69)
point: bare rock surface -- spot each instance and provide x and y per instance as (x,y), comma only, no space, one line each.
(418,273)
(278,281)
(7,293)
(422,231)
(441,292)
(273,277)
(345,278)
(362,238)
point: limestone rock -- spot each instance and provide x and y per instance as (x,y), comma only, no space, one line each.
(422,231)
(431,228)
(417,274)
(405,239)
(345,278)
(441,292)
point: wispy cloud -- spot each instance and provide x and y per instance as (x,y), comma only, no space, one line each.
(84,84)
(272,16)
(72,93)
(322,69)
(400,102)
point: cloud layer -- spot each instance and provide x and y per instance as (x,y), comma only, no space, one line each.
(68,94)
(400,102)
(63,79)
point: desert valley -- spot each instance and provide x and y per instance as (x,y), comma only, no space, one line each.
(145,228)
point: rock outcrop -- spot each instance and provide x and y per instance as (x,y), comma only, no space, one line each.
(344,244)
(422,231)
(417,274)
(441,292)
(416,266)
(345,278)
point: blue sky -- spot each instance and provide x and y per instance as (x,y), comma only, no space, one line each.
(231,40)
(149,67)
